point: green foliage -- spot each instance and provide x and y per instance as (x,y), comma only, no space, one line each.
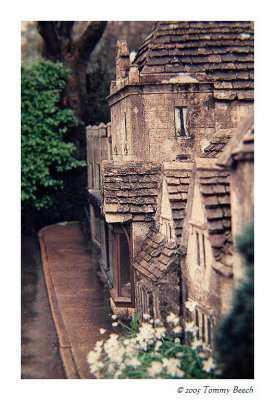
(245,243)
(45,154)
(98,87)
(235,336)
(135,322)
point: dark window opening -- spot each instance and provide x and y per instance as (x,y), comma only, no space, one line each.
(99,176)
(181,121)
(203,250)
(92,176)
(208,331)
(121,261)
(197,323)
(124,266)
(202,327)
(198,248)
(125,126)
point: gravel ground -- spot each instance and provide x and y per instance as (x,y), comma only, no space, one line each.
(39,344)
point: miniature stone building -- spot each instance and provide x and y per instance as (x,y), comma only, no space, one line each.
(159,202)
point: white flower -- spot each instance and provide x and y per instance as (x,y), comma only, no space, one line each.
(160,332)
(196,343)
(157,322)
(156,368)
(177,340)
(151,321)
(98,346)
(113,337)
(146,316)
(208,365)
(102,331)
(146,332)
(172,319)
(115,354)
(172,366)
(158,345)
(131,349)
(114,317)
(93,357)
(190,305)
(134,362)
(142,344)
(177,330)
(190,327)
(114,324)
(98,374)
(111,368)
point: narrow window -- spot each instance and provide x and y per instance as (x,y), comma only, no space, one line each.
(198,248)
(125,126)
(92,176)
(151,304)
(203,249)
(181,121)
(170,232)
(208,331)
(202,327)
(197,323)
(99,176)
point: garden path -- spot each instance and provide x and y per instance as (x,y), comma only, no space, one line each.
(79,304)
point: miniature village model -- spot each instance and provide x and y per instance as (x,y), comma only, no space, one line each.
(171,177)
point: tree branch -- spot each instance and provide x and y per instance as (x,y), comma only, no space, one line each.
(90,37)
(48,32)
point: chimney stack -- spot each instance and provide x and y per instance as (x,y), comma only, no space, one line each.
(122,60)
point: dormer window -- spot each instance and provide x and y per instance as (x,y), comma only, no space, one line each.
(181,122)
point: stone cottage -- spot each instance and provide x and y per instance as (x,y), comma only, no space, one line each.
(160,204)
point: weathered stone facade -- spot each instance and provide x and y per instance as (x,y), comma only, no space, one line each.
(167,220)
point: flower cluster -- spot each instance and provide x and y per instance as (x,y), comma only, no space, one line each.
(151,351)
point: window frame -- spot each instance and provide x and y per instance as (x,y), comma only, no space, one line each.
(181,122)
(116,292)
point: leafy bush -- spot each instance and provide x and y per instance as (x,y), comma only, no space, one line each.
(150,351)
(45,154)
(235,336)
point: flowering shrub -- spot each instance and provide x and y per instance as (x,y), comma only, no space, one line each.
(152,351)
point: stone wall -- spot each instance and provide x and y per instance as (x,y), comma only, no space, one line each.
(143,120)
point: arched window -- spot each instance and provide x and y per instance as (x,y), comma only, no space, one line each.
(121,257)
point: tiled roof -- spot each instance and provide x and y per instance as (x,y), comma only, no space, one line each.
(219,52)
(241,147)
(131,188)
(215,193)
(178,181)
(155,256)
(217,143)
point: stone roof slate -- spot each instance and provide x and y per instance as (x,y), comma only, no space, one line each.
(213,51)
(155,256)
(218,142)
(178,181)
(241,147)
(214,186)
(131,188)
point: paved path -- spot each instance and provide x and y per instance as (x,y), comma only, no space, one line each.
(39,344)
(79,305)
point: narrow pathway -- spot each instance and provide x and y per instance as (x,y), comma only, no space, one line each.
(79,305)
(39,344)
